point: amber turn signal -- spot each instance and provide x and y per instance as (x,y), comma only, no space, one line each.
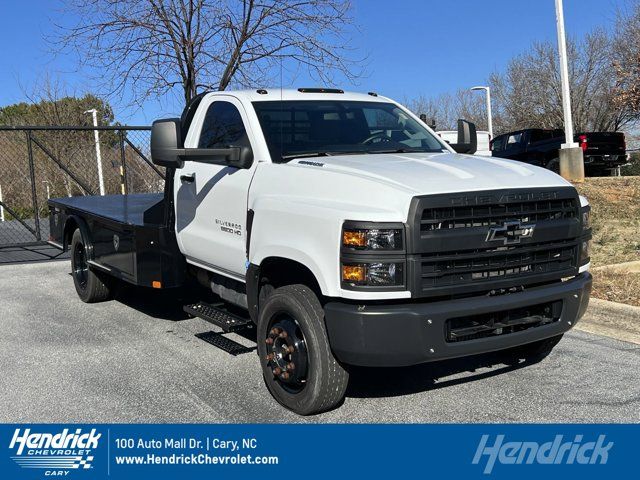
(353,273)
(354,238)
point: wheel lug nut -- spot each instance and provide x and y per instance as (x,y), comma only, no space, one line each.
(269,341)
(284,376)
(277,371)
(275,331)
(291,366)
(291,349)
(269,357)
(283,334)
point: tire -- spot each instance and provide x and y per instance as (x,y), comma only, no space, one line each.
(531,352)
(91,287)
(292,318)
(553,165)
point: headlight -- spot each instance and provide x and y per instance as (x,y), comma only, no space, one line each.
(372,238)
(585,251)
(374,274)
(586,218)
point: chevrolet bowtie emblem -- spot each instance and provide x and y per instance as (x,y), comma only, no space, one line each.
(510,232)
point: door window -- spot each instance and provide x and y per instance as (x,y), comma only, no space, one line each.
(514,138)
(222,127)
(498,143)
(540,135)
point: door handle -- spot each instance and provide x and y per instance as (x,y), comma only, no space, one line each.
(189,178)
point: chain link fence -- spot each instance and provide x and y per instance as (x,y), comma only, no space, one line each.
(37,163)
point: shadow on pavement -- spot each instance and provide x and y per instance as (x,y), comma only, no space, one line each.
(164,304)
(392,382)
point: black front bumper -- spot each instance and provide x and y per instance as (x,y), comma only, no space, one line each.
(412,333)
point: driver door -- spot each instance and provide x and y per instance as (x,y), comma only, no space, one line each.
(211,200)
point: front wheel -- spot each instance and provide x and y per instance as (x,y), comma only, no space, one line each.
(90,286)
(298,366)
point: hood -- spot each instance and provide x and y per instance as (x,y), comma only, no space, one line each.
(431,173)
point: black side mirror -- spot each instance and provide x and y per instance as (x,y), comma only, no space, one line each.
(467,138)
(243,158)
(167,149)
(432,125)
(237,157)
(166,143)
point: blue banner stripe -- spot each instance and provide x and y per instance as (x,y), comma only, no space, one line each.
(318,451)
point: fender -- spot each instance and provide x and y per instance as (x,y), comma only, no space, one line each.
(77,222)
(295,255)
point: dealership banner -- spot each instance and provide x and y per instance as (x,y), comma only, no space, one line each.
(138,451)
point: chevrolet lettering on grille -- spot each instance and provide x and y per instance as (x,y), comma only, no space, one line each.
(510,232)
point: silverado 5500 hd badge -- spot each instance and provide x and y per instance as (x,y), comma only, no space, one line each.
(229,227)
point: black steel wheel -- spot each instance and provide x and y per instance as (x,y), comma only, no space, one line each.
(80,265)
(90,286)
(298,366)
(287,353)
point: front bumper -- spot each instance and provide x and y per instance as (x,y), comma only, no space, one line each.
(413,333)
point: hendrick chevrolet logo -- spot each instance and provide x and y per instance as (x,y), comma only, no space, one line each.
(510,232)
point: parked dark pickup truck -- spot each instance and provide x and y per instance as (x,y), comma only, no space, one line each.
(603,151)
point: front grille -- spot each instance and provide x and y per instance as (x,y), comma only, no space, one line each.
(492,324)
(443,218)
(485,265)
(473,242)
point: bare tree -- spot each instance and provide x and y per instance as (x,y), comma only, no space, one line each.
(445,109)
(154,46)
(627,59)
(527,94)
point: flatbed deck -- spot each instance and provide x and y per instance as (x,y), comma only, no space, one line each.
(138,209)
(129,236)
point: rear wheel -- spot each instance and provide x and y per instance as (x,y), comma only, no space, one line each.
(298,366)
(531,352)
(91,286)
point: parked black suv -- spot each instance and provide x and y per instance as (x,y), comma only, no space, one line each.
(603,151)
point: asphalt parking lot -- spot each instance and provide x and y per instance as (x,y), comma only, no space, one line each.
(137,359)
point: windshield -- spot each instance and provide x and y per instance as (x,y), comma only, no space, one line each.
(308,128)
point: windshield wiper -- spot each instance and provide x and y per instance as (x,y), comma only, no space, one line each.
(292,156)
(402,150)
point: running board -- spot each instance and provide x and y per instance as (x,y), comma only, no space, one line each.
(223,343)
(220,317)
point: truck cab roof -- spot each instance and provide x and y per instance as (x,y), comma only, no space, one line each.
(277,94)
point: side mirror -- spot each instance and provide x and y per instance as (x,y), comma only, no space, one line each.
(467,138)
(243,159)
(167,150)
(237,157)
(432,125)
(166,143)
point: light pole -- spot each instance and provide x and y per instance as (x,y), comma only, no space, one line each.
(489,120)
(570,155)
(1,207)
(96,137)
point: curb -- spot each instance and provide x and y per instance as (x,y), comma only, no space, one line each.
(626,267)
(611,319)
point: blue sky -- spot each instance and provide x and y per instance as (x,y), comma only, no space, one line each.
(414,47)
